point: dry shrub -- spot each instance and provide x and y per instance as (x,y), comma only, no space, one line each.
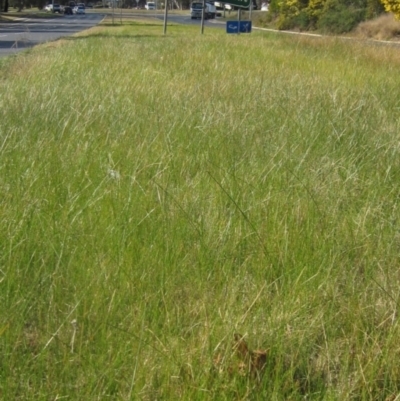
(385,27)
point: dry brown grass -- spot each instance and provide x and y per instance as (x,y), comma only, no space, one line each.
(5,18)
(385,27)
(248,362)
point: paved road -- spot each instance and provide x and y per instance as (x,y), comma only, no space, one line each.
(185,19)
(25,33)
(172,18)
(28,32)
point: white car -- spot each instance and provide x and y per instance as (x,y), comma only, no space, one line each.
(150,5)
(55,8)
(264,7)
(79,10)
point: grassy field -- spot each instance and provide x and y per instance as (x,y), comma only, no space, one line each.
(161,194)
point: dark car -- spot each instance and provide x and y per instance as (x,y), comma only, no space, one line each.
(68,10)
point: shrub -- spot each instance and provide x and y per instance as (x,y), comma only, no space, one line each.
(392,6)
(273,6)
(263,19)
(374,9)
(384,27)
(339,18)
(302,20)
(314,10)
(299,21)
(284,22)
(289,11)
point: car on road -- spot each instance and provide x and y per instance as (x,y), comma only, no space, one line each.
(56,8)
(68,10)
(211,9)
(229,7)
(196,10)
(79,10)
(150,5)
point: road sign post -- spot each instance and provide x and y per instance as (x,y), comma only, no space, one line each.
(203,14)
(165,16)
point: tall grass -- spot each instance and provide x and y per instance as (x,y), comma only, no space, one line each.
(160,194)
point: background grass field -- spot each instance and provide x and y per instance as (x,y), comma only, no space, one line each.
(159,194)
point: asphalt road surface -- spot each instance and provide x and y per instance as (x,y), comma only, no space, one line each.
(26,33)
(172,18)
(21,34)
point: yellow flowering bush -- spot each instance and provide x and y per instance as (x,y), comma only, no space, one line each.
(392,6)
(289,7)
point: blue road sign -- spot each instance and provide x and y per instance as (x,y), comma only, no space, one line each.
(232,26)
(238,27)
(245,26)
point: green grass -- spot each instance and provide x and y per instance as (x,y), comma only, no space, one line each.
(167,192)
